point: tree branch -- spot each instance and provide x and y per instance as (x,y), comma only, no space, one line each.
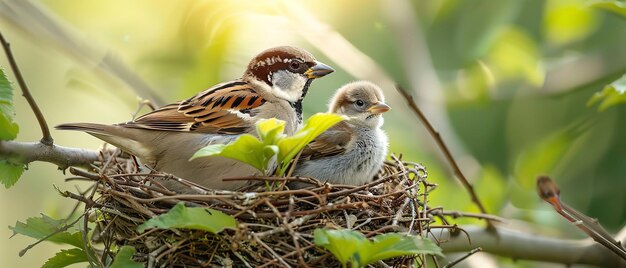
(520,245)
(442,145)
(46,139)
(550,192)
(63,157)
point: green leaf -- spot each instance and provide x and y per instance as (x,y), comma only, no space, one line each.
(66,257)
(43,226)
(270,130)
(348,245)
(258,153)
(10,173)
(124,258)
(210,150)
(246,148)
(616,7)
(341,243)
(8,127)
(288,147)
(191,218)
(392,245)
(611,95)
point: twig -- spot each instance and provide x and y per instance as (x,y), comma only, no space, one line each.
(438,211)
(455,262)
(457,171)
(276,256)
(292,167)
(523,245)
(63,157)
(88,202)
(295,223)
(47,138)
(453,229)
(550,192)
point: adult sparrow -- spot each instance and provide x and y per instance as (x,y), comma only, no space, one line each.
(352,151)
(273,86)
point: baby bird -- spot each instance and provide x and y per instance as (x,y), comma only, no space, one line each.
(273,86)
(352,151)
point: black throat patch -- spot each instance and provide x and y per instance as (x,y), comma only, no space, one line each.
(298,104)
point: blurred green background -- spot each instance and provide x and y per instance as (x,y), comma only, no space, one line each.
(506,83)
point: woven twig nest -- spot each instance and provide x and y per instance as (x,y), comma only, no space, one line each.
(275,228)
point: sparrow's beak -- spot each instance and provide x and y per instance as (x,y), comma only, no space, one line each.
(378,108)
(318,70)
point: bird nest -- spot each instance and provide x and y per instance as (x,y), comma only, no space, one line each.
(275,224)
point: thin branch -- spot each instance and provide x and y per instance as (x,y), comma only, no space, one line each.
(438,211)
(455,262)
(457,171)
(47,138)
(26,152)
(522,245)
(550,192)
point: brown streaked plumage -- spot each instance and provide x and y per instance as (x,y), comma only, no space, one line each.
(273,86)
(217,110)
(332,142)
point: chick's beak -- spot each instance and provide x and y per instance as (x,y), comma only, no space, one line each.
(379,108)
(318,70)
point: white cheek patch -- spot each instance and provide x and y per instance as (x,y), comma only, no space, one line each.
(288,86)
(285,95)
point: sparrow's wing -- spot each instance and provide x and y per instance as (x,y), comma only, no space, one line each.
(223,109)
(333,141)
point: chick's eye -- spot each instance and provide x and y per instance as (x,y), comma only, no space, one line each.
(359,103)
(295,65)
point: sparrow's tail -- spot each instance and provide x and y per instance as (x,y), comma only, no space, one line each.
(123,138)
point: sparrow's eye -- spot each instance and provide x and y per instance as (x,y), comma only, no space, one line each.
(359,103)
(295,65)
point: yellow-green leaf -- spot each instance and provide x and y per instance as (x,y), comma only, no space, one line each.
(270,130)
(385,246)
(196,218)
(246,148)
(611,95)
(352,246)
(316,125)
